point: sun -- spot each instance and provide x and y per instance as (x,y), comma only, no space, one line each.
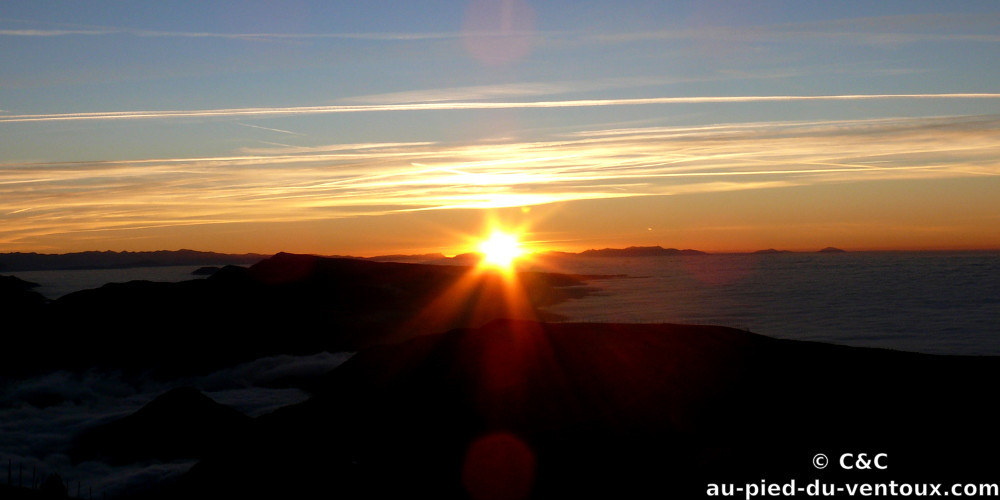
(500,250)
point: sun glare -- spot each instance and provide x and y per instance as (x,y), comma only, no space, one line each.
(500,250)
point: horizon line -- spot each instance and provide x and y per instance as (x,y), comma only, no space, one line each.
(528,253)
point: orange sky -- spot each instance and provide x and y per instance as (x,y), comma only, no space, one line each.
(918,214)
(401,130)
(904,184)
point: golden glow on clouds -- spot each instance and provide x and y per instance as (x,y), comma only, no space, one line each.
(290,184)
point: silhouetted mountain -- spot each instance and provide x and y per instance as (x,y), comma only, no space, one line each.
(610,411)
(287,304)
(13,284)
(54,486)
(472,258)
(8,492)
(17,297)
(117,260)
(420,258)
(771,251)
(832,250)
(50,487)
(205,271)
(465,259)
(181,423)
(656,251)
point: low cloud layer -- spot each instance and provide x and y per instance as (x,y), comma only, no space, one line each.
(39,416)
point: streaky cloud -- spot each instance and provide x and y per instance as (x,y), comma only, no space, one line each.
(879,31)
(105,31)
(37,32)
(258,36)
(513,89)
(132,197)
(330,148)
(450,106)
(259,127)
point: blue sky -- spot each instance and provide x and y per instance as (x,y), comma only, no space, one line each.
(346,127)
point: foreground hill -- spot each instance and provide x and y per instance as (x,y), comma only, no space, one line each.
(18,295)
(520,409)
(181,423)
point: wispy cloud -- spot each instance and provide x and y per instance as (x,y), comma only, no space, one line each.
(300,184)
(259,127)
(771,35)
(385,37)
(106,31)
(512,90)
(447,106)
(42,32)
(884,30)
(477,92)
(291,150)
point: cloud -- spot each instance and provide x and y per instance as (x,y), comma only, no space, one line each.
(449,106)
(527,89)
(476,92)
(752,35)
(34,32)
(37,435)
(271,370)
(107,31)
(292,150)
(284,184)
(269,129)
(513,90)
(883,30)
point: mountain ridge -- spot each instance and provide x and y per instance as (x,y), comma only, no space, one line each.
(108,259)
(285,304)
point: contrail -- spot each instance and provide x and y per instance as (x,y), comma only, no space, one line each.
(240,36)
(445,106)
(269,128)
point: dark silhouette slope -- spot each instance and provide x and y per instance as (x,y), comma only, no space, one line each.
(287,304)
(17,296)
(181,423)
(610,411)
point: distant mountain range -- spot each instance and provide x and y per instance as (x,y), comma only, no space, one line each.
(13,262)
(628,252)
(10,262)
(656,251)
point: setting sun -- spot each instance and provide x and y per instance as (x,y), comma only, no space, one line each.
(500,249)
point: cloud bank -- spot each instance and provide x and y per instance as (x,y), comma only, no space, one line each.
(37,435)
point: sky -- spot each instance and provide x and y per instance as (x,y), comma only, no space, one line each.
(368,128)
